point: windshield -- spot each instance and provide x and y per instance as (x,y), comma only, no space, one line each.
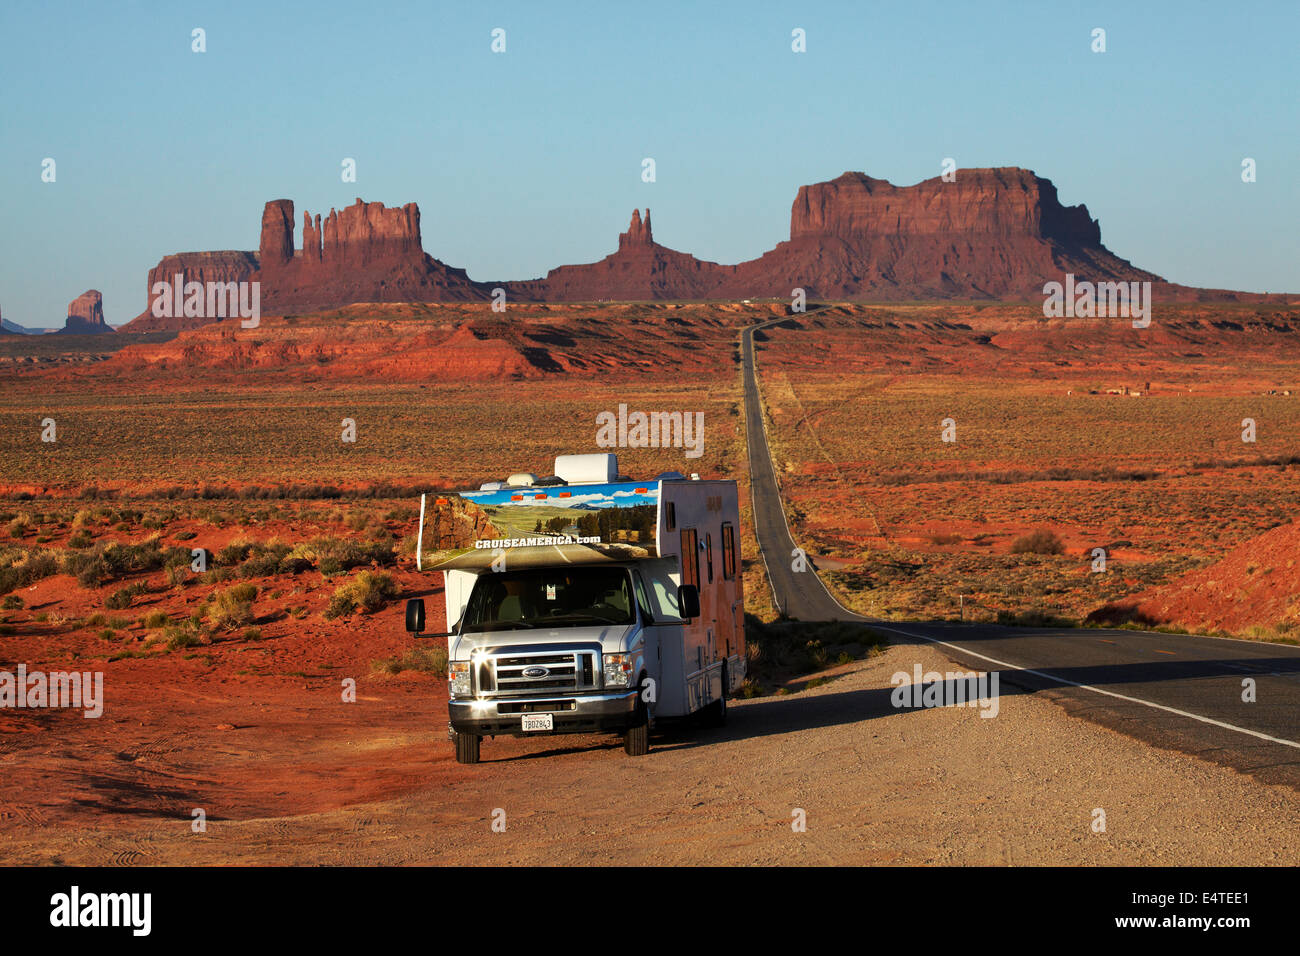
(550,597)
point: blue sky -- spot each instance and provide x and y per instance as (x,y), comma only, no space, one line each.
(529,159)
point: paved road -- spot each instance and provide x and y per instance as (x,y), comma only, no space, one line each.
(1172,690)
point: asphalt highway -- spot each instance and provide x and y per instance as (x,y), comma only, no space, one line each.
(1179,691)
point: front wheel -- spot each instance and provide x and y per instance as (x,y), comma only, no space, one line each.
(636,739)
(467,747)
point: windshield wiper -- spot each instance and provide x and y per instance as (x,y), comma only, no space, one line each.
(581,617)
(501,625)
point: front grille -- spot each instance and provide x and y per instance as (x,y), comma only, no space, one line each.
(537,707)
(565,671)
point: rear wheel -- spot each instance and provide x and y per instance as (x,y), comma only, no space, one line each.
(467,747)
(636,739)
(715,715)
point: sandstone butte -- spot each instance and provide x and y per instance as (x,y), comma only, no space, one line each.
(989,234)
(86,315)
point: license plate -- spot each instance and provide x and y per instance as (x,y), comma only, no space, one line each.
(539,722)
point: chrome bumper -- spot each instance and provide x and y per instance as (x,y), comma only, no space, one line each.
(571,714)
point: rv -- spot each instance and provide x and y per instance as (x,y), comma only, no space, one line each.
(600,605)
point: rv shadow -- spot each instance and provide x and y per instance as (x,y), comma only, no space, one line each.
(768,716)
(581,744)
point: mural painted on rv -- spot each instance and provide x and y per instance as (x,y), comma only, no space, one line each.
(616,513)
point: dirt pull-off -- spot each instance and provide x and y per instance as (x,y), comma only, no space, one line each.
(874,785)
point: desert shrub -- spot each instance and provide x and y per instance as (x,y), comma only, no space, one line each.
(790,646)
(31,567)
(339,605)
(335,555)
(176,556)
(178,574)
(368,591)
(264,561)
(1034,617)
(82,518)
(185,535)
(1040,541)
(233,553)
(88,567)
(80,539)
(252,633)
(181,636)
(430,660)
(12,602)
(122,559)
(155,619)
(121,598)
(19,525)
(945,538)
(233,607)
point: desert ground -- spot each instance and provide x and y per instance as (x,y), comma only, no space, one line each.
(304,778)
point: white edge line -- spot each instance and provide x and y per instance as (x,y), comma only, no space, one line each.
(1095,690)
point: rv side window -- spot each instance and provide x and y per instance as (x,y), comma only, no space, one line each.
(690,558)
(670,516)
(667,600)
(708,555)
(641,598)
(728,551)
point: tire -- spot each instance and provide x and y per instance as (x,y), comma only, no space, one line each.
(636,739)
(715,715)
(467,747)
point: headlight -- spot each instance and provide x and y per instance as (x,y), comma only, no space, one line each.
(458,677)
(618,670)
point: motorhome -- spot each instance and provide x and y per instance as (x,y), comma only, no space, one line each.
(595,604)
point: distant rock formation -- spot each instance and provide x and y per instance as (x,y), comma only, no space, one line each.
(203,267)
(987,234)
(365,252)
(639,234)
(990,233)
(86,315)
(640,269)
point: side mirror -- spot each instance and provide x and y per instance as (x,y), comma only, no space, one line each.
(415,616)
(688,599)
